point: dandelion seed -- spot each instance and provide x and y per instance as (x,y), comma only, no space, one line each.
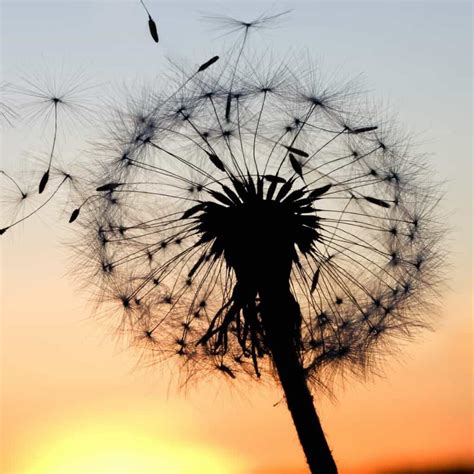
(153,30)
(193,210)
(37,209)
(297,151)
(275,179)
(63,100)
(216,161)
(315,280)
(151,24)
(207,64)
(74,215)
(357,131)
(296,165)
(232,25)
(43,182)
(108,187)
(318,192)
(377,202)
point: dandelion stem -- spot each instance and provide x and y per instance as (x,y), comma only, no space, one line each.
(278,307)
(239,127)
(144,6)
(255,135)
(229,94)
(55,133)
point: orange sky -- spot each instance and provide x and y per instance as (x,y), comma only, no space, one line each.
(71,392)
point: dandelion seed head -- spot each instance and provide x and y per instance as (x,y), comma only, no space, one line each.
(249,175)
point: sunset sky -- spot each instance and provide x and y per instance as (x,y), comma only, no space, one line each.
(74,399)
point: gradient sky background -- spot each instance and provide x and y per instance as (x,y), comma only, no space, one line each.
(72,397)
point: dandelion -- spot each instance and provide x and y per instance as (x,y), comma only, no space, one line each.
(255,222)
(288,233)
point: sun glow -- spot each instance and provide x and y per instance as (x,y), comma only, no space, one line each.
(98,449)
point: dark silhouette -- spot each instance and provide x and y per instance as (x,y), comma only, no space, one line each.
(151,24)
(253,222)
(258,221)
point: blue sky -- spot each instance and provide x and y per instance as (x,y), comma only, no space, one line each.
(416,57)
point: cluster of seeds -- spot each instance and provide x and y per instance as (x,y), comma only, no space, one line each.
(247,171)
(251,179)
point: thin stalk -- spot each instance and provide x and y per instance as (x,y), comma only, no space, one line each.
(55,134)
(281,320)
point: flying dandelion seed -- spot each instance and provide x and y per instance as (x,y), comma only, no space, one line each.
(151,24)
(15,197)
(232,25)
(46,98)
(252,222)
(59,177)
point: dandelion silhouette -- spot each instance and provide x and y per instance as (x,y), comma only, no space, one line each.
(256,221)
